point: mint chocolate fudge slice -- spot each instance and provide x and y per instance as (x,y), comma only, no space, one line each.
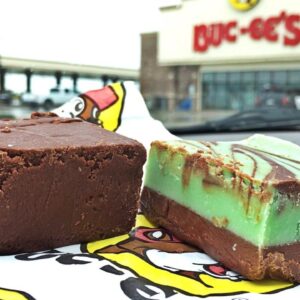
(65,181)
(238,201)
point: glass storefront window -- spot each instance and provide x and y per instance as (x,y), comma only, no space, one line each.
(248,90)
(221,77)
(220,91)
(208,90)
(243,90)
(234,93)
(294,79)
(280,79)
(264,76)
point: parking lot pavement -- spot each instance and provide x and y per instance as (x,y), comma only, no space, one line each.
(169,119)
(190,118)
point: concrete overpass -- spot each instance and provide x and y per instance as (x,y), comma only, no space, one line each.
(60,69)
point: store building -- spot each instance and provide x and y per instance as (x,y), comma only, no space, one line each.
(222,55)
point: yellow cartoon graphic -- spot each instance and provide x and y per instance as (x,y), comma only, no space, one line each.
(6,294)
(155,254)
(243,5)
(103,106)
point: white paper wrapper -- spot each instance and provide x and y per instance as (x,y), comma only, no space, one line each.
(124,112)
(144,264)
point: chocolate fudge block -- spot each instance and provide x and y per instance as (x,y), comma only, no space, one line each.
(238,201)
(65,181)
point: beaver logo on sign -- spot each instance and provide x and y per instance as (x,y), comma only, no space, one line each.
(103,107)
(243,5)
(156,255)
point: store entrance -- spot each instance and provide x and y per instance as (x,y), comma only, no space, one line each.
(242,90)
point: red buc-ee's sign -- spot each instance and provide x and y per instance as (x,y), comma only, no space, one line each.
(214,34)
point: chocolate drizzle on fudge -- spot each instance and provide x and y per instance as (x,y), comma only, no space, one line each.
(280,176)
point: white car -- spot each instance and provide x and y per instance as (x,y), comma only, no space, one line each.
(55,97)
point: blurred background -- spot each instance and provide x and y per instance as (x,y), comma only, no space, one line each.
(195,61)
(53,50)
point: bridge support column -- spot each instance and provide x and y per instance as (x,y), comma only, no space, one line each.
(75,80)
(58,76)
(104,79)
(2,79)
(115,79)
(28,74)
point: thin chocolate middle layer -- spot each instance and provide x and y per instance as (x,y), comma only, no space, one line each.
(278,262)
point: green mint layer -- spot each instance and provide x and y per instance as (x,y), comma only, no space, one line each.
(233,186)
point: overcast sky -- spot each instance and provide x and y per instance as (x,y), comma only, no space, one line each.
(96,32)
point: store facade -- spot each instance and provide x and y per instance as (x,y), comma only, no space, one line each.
(223,55)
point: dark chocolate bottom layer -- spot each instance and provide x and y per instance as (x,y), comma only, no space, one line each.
(280,262)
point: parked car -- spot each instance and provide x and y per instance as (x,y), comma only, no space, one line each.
(55,97)
(29,99)
(262,118)
(6,97)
